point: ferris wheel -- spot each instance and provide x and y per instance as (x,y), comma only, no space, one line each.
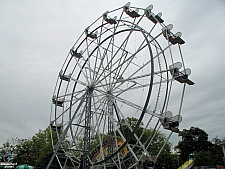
(125,72)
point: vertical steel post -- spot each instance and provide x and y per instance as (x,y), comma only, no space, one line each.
(111,138)
(86,163)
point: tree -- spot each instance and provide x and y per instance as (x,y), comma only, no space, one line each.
(193,140)
(42,148)
(213,156)
(23,152)
(36,151)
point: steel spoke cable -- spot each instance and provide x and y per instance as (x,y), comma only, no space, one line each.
(147,63)
(126,39)
(98,42)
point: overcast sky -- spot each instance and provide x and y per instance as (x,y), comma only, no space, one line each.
(36,36)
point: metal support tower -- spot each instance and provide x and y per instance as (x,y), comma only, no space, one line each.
(111,138)
(86,163)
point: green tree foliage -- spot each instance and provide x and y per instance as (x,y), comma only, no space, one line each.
(211,157)
(195,141)
(166,160)
(23,152)
(42,148)
(36,151)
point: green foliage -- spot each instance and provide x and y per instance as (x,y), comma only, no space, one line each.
(166,160)
(195,141)
(211,157)
(36,151)
(23,152)
(41,148)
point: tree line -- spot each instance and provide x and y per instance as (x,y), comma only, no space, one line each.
(206,153)
(38,150)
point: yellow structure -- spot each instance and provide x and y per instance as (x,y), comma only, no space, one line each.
(117,143)
(187,165)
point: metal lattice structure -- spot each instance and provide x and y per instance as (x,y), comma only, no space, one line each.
(126,64)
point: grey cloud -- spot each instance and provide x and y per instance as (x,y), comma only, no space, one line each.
(37,35)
